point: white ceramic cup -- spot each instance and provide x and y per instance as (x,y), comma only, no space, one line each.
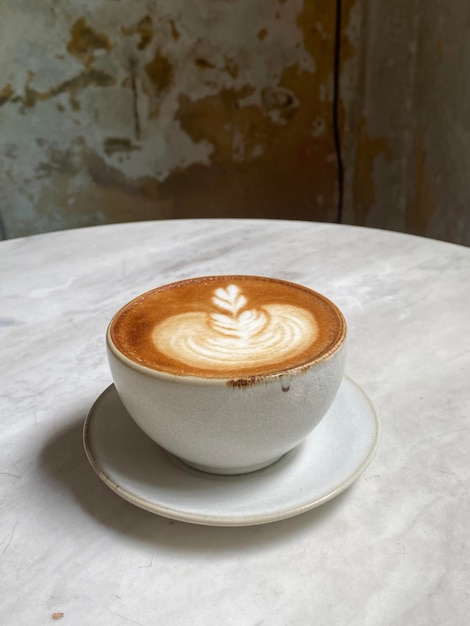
(224,426)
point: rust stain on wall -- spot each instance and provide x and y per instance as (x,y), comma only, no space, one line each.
(231,68)
(216,118)
(422,205)
(266,159)
(159,73)
(84,42)
(368,149)
(273,151)
(143,28)
(6,93)
(317,22)
(174,31)
(72,86)
(204,63)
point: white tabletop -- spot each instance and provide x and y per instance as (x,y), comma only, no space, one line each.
(392,549)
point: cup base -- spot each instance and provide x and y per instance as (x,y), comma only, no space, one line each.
(224,471)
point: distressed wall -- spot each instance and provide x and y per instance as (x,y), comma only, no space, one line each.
(407,130)
(115,111)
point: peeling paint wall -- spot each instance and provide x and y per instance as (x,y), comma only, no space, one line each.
(407,130)
(114,111)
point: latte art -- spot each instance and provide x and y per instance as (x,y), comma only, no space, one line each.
(228,327)
(234,335)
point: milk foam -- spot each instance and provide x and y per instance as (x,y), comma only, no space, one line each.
(234,334)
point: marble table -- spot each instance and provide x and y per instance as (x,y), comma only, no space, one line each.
(392,549)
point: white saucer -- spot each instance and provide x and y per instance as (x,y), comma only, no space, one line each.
(324,465)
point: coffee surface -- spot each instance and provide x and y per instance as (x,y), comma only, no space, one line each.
(227,327)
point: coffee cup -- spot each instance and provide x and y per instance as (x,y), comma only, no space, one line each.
(227,373)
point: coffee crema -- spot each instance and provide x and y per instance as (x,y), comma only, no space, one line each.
(228,327)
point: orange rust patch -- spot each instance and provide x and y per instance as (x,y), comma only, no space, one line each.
(231,68)
(174,31)
(5,94)
(71,86)
(143,28)
(204,63)
(215,117)
(160,76)
(422,205)
(367,150)
(262,34)
(160,71)
(84,42)
(266,160)
(259,167)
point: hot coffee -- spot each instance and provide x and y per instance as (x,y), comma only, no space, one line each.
(228,327)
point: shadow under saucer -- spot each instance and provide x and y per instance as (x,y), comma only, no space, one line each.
(63,462)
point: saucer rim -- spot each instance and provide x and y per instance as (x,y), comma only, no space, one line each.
(231,520)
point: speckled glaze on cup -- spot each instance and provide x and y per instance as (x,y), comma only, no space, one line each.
(229,424)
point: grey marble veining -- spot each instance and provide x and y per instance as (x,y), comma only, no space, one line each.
(393,549)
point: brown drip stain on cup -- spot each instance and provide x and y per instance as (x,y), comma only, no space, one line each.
(243,383)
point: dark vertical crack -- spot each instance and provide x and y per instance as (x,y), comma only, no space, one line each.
(135,98)
(336,122)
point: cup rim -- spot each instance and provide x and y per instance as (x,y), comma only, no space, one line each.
(244,380)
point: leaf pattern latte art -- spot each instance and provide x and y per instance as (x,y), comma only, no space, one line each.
(235,322)
(234,334)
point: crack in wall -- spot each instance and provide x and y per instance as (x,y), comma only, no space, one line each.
(135,98)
